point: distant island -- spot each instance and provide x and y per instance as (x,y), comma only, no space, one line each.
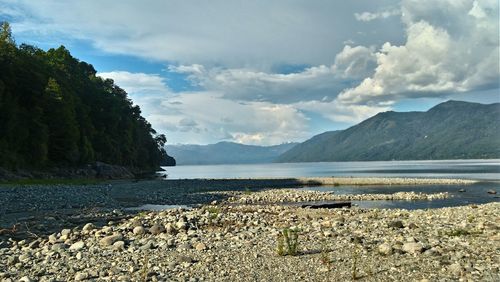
(226,153)
(56,113)
(450,130)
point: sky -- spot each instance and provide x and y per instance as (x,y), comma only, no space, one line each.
(268,72)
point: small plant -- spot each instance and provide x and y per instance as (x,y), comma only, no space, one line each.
(470,218)
(324,257)
(461,232)
(289,239)
(281,245)
(354,274)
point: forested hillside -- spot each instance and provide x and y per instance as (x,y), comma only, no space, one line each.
(55,111)
(450,130)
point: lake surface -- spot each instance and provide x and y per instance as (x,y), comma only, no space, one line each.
(488,170)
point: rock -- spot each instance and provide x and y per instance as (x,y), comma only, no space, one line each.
(169,227)
(184,246)
(118,245)
(147,246)
(139,230)
(88,227)
(25,279)
(58,247)
(79,256)
(412,226)
(385,249)
(491,191)
(396,224)
(181,225)
(455,269)
(109,240)
(77,246)
(170,243)
(65,232)
(183,258)
(200,247)
(412,248)
(79,276)
(24,257)
(461,190)
(52,238)
(156,229)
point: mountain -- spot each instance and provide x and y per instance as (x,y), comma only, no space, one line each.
(450,130)
(56,112)
(226,153)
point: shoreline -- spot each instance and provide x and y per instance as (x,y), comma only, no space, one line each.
(221,242)
(84,232)
(331,181)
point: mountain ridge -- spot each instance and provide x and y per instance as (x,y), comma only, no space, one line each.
(225,152)
(450,130)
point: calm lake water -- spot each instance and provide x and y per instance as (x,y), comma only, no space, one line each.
(487,171)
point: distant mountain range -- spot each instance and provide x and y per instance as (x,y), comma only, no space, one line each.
(226,153)
(450,130)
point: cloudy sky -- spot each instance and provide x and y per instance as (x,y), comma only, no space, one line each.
(267,72)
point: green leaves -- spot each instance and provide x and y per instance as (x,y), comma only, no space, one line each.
(55,111)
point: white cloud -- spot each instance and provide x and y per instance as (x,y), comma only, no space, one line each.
(232,33)
(206,116)
(436,59)
(320,82)
(355,62)
(367,16)
(138,82)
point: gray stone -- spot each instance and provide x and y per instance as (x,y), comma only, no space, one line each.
(139,230)
(118,245)
(65,232)
(385,249)
(24,257)
(184,246)
(25,279)
(58,247)
(396,224)
(109,240)
(455,269)
(200,247)
(412,248)
(183,258)
(88,227)
(77,246)
(81,276)
(156,229)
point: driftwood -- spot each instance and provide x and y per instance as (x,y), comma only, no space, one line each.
(335,205)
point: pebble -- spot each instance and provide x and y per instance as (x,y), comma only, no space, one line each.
(77,246)
(385,249)
(109,240)
(200,247)
(139,230)
(412,248)
(88,227)
(81,276)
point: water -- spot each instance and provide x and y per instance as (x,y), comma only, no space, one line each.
(488,170)
(474,194)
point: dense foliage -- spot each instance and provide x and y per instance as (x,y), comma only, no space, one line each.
(55,111)
(450,130)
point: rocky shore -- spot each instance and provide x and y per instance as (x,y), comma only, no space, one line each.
(239,243)
(232,233)
(297,196)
